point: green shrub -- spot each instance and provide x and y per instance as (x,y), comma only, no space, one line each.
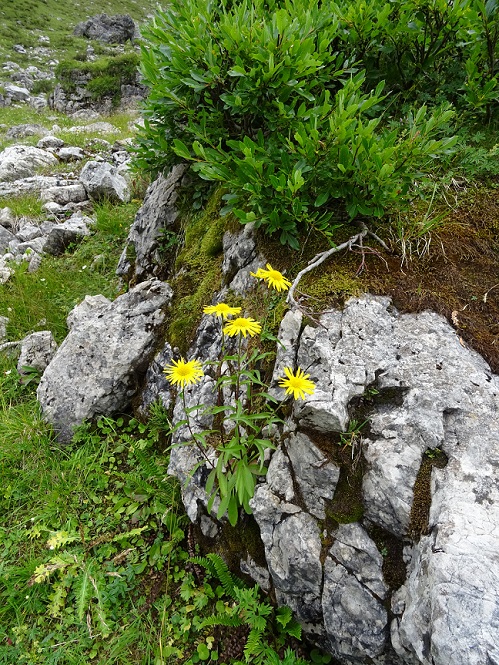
(258,97)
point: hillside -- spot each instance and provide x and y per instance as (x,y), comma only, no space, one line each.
(140,525)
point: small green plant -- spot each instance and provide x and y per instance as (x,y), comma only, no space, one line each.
(353,433)
(244,413)
(29,375)
(269,629)
(167,239)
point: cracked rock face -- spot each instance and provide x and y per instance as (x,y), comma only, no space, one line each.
(432,393)
(157,214)
(95,370)
(423,391)
(22,161)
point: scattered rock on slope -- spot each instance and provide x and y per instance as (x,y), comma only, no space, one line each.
(95,370)
(110,29)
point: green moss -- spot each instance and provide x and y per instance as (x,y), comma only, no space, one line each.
(198,272)
(421,504)
(326,287)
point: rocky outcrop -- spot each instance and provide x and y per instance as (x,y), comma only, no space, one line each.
(102,181)
(116,29)
(96,369)
(424,395)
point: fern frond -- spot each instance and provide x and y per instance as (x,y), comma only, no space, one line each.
(222,620)
(148,465)
(256,650)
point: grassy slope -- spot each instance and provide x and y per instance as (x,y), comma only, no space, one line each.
(24,21)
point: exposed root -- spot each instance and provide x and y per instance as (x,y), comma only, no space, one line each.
(320,258)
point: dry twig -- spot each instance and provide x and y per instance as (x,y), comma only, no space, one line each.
(320,258)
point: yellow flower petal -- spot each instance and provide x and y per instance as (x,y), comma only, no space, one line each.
(243,326)
(183,373)
(222,309)
(297,384)
(274,278)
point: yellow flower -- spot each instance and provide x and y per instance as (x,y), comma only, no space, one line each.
(297,384)
(184,373)
(243,326)
(274,278)
(222,310)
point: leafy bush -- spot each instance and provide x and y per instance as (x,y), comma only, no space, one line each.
(258,96)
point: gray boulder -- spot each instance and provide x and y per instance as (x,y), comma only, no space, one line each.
(157,213)
(22,161)
(70,154)
(16,93)
(101,181)
(28,231)
(95,370)
(6,237)
(75,193)
(7,218)
(62,235)
(50,143)
(21,131)
(116,29)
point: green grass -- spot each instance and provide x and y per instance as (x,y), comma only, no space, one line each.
(112,500)
(28,205)
(11,116)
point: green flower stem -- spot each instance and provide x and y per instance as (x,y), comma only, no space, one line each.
(193,436)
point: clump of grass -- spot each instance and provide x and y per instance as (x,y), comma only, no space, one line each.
(26,205)
(106,75)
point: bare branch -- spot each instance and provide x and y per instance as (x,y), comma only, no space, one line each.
(320,258)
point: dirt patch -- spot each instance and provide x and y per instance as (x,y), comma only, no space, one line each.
(391,549)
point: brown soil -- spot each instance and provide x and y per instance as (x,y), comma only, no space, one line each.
(421,504)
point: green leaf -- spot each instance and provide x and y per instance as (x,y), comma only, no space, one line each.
(232,510)
(181,149)
(321,199)
(203,651)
